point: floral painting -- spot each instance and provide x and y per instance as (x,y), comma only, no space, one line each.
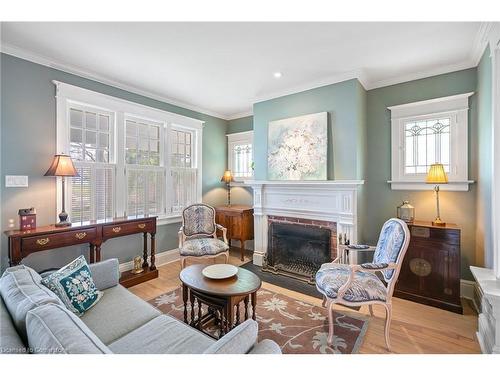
(297,148)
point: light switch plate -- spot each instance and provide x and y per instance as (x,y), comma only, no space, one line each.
(16,181)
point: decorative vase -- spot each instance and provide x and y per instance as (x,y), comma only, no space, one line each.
(406,212)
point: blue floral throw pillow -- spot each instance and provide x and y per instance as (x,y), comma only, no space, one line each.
(73,284)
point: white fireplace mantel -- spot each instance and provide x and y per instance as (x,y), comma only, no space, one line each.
(333,200)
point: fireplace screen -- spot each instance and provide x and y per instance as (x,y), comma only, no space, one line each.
(297,250)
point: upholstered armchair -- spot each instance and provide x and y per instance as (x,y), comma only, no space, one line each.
(198,234)
(359,285)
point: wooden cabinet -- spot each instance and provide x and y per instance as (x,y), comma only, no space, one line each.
(430,273)
(239,223)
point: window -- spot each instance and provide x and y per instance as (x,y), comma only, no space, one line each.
(427,132)
(90,140)
(145,173)
(183,169)
(132,159)
(240,155)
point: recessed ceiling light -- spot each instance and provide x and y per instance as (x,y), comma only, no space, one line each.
(277,74)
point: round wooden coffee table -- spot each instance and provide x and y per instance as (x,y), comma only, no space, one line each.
(221,297)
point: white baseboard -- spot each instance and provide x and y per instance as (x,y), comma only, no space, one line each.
(162,258)
(467,289)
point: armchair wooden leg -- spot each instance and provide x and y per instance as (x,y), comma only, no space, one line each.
(388,318)
(370,307)
(227,257)
(324,301)
(183,263)
(329,306)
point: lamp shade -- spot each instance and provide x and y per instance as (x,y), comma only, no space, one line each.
(62,165)
(436,175)
(227,177)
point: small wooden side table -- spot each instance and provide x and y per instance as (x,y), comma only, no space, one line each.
(221,297)
(238,220)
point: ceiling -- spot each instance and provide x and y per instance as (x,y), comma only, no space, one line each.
(223,68)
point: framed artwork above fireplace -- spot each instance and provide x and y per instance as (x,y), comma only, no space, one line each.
(297,148)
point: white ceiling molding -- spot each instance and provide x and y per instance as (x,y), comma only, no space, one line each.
(240,115)
(420,75)
(341,77)
(481,42)
(45,61)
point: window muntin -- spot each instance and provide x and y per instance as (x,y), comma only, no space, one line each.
(142,143)
(242,160)
(90,134)
(426,142)
(240,155)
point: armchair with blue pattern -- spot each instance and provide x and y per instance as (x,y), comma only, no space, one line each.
(359,285)
(198,234)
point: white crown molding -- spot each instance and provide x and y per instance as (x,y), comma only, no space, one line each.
(421,75)
(480,42)
(239,115)
(337,78)
(45,61)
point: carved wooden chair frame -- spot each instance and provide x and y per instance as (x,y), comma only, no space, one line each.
(183,238)
(391,283)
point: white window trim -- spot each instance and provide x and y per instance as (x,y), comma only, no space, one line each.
(122,108)
(455,106)
(233,139)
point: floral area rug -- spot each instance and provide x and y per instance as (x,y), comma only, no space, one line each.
(298,327)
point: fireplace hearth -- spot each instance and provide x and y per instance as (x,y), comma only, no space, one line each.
(298,247)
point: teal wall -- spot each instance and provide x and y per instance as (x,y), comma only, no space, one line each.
(238,125)
(343,102)
(484,245)
(381,201)
(28,126)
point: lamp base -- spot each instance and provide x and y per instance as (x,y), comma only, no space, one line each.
(63,220)
(438,222)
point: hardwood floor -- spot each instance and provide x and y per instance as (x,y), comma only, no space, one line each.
(415,328)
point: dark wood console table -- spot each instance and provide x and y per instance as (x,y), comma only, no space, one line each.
(24,243)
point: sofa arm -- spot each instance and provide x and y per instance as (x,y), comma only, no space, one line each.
(106,274)
(266,347)
(240,340)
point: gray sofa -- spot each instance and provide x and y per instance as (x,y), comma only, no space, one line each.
(34,320)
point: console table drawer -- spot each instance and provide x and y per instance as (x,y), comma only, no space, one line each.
(50,241)
(117,230)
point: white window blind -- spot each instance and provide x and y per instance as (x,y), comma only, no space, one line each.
(91,135)
(183,170)
(144,170)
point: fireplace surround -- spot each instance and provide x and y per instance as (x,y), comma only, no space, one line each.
(333,201)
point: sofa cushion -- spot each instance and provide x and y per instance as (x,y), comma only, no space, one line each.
(53,329)
(73,284)
(10,341)
(163,335)
(118,313)
(22,291)
(239,340)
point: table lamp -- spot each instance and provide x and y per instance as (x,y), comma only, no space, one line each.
(62,166)
(437,175)
(227,177)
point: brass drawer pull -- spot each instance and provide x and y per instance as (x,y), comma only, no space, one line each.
(42,241)
(117,229)
(81,235)
(141,226)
